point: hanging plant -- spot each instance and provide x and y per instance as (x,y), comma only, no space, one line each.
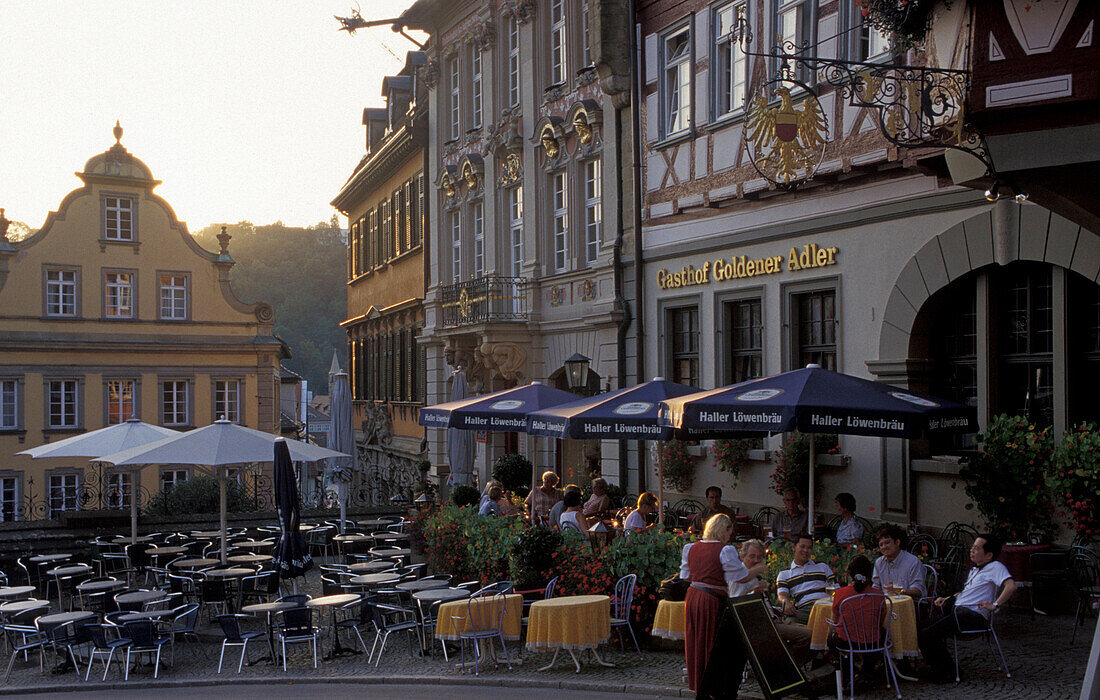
(1074,478)
(675,464)
(731,455)
(792,461)
(906,22)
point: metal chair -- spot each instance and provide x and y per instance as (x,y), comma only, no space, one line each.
(924,546)
(931,586)
(296,627)
(260,587)
(23,639)
(184,620)
(387,619)
(504,587)
(865,622)
(686,509)
(215,593)
(101,647)
(234,637)
(763,518)
(144,640)
(1085,568)
(484,621)
(990,635)
(620,610)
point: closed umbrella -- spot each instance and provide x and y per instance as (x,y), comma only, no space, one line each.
(96,443)
(460,443)
(219,444)
(816,400)
(342,439)
(291,554)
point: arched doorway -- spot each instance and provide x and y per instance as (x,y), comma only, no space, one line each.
(575,461)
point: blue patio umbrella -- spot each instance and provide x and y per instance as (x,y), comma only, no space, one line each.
(815,400)
(291,553)
(342,439)
(626,414)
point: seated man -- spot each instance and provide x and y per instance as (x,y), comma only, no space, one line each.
(791,520)
(804,582)
(897,567)
(796,637)
(970,607)
(714,507)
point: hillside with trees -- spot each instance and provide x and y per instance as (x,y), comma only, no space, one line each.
(301,272)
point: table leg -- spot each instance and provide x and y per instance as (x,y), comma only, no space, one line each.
(338,649)
(553,661)
(576,661)
(600,661)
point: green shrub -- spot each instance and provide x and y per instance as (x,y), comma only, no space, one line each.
(199,494)
(512,470)
(464,495)
(445,539)
(530,557)
(1074,478)
(489,541)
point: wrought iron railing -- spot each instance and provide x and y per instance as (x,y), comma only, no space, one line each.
(487,299)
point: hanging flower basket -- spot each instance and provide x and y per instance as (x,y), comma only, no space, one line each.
(906,22)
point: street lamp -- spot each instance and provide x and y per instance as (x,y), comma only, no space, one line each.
(576,372)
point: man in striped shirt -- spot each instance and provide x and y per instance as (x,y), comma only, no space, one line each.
(799,586)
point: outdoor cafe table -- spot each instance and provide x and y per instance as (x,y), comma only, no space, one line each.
(431,596)
(196,563)
(389,536)
(255,544)
(206,534)
(126,539)
(571,623)
(370,567)
(229,572)
(17,606)
(49,558)
(351,538)
(165,551)
(154,615)
(374,580)
(332,602)
(250,558)
(87,587)
(668,623)
(452,619)
(64,618)
(140,597)
(903,630)
(421,584)
(15,592)
(376,522)
(268,609)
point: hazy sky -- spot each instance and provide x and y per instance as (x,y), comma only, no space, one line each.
(245,110)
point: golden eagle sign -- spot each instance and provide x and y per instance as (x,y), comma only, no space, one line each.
(786,141)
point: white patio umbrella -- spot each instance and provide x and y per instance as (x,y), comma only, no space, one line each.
(342,439)
(96,443)
(219,444)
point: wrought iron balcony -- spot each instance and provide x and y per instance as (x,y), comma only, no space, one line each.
(490,299)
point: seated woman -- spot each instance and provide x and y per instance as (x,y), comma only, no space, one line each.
(507,507)
(572,517)
(863,618)
(491,505)
(636,521)
(485,492)
(598,505)
(541,500)
(850,530)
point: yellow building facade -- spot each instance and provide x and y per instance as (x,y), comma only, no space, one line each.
(111,311)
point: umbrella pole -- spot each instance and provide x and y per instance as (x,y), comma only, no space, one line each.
(133,517)
(222,508)
(661,498)
(342,493)
(810,498)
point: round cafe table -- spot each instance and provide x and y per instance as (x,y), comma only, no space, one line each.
(452,619)
(268,609)
(668,623)
(572,623)
(15,592)
(332,602)
(69,570)
(255,544)
(140,597)
(374,580)
(49,558)
(126,539)
(427,598)
(165,551)
(249,558)
(229,572)
(351,538)
(421,585)
(195,563)
(376,522)
(370,567)
(903,630)
(17,606)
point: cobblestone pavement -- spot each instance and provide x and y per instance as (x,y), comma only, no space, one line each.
(1042,663)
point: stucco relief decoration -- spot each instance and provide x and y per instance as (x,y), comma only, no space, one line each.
(471,177)
(557,295)
(785,142)
(506,359)
(588,290)
(551,142)
(430,73)
(512,170)
(581,127)
(522,10)
(448,182)
(482,36)
(377,426)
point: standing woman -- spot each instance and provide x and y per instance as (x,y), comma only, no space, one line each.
(711,564)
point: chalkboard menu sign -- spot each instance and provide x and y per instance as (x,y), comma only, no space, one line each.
(772,664)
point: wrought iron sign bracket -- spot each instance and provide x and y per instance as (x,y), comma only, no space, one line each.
(915,106)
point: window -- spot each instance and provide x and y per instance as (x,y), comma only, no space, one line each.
(746,331)
(475,87)
(456,98)
(120,400)
(561,220)
(456,245)
(174,403)
(399,231)
(119,295)
(866,43)
(173,297)
(684,322)
(794,23)
(9,404)
(353,250)
(10,499)
(593,210)
(815,324)
(558,44)
(586,43)
(513,61)
(676,88)
(120,490)
(417,211)
(170,478)
(731,64)
(227,393)
(64,493)
(515,224)
(62,404)
(1025,325)
(478,216)
(370,244)
(118,218)
(387,231)
(61,292)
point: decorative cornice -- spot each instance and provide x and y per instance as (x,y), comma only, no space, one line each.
(522,10)
(481,36)
(429,73)
(394,152)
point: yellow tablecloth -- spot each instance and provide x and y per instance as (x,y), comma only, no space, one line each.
(570,622)
(453,617)
(669,621)
(903,630)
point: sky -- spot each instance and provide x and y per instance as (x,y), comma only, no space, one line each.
(245,110)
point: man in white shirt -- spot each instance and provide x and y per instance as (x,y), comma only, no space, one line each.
(968,609)
(897,567)
(799,586)
(796,637)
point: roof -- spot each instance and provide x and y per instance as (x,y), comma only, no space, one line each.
(117,162)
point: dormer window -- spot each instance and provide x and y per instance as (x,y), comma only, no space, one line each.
(118,219)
